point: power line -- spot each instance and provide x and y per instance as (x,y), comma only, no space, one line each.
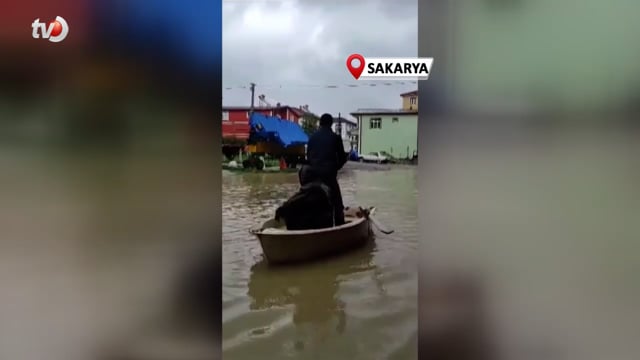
(321,86)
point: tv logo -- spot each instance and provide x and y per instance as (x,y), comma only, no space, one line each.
(55,31)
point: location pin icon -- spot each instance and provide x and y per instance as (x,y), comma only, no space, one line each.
(356,71)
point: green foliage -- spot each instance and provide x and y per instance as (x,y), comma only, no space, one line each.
(271,162)
(309,123)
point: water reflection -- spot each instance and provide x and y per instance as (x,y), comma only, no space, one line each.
(343,307)
(312,291)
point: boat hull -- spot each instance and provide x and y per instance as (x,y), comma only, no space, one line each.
(283,247)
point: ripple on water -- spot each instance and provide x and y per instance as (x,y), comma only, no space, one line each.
(362,305)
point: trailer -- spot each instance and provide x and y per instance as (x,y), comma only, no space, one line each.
(277,138)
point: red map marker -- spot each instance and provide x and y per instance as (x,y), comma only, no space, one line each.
(57,27)
(356,71)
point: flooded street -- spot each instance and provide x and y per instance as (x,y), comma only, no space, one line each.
(362,305)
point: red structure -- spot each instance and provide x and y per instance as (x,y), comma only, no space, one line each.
(235,119)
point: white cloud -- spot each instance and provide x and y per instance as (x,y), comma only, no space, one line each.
(294,44)
(260,19)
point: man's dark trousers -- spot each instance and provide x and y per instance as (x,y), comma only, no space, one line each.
(336,197)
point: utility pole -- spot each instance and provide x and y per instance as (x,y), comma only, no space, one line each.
(253,93)
(339,126)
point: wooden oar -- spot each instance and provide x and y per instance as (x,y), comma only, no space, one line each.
(383,229)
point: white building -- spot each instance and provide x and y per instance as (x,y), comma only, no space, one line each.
(347,129)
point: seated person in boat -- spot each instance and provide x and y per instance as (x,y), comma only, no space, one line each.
(311,207)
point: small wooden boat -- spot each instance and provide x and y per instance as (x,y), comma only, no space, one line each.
(280,245)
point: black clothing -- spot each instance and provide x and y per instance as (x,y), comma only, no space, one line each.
(326,156)
(325,152)
(309,208)
(318,204)
(336,199)
(306,175)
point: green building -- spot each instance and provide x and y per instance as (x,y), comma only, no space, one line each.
(394,131)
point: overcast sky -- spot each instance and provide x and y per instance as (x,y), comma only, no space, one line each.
(293,49)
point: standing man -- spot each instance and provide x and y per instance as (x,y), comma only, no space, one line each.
(326,156)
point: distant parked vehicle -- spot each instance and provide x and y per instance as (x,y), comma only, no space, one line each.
(376,157)
(390,158)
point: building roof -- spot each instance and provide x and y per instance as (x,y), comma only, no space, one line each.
(410,93)
(384,112)
(247,108)
(295,110)
(344,120)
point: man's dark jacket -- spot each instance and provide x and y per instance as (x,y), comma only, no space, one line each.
(325,152)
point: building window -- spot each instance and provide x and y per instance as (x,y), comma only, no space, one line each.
(225,116)
(413,100)
(394,119)
(375,123)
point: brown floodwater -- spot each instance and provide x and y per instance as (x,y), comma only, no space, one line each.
(361,305)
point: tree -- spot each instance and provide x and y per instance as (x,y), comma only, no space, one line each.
(309,123)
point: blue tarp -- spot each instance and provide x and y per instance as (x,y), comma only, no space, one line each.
(273,129)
